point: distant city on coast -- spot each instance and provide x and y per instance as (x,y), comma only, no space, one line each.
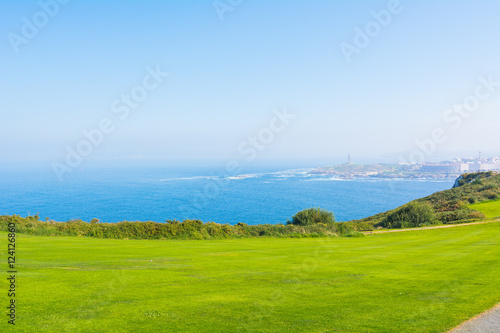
(425,170)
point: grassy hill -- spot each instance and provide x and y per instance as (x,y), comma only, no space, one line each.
(455,205)
(491,209)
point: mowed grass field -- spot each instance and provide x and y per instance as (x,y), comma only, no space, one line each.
(416,281)
(489,208)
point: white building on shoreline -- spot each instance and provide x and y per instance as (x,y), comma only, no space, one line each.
(463,165)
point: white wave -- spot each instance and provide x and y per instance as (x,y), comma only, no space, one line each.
(240,177)
(189,178)
(281,175)
(326,179)
(292,172)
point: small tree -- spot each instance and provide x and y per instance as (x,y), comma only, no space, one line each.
(312,216)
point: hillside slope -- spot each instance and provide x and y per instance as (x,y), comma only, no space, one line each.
(452,206)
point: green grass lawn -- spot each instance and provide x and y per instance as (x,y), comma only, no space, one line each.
(488,208)
(415,281)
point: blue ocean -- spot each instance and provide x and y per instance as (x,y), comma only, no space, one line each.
(158,193)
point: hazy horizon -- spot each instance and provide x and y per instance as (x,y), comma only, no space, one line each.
(255,82)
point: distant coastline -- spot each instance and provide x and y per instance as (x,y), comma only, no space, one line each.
(353,171)
(443,170)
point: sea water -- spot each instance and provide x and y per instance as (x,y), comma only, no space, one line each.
(155,193)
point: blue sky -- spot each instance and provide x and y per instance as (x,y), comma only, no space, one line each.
(226,78)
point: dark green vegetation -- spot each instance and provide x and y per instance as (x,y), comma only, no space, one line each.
(312,216)
(450,206)
(188,229)
(322,218)
(413,214)
(469,178)
(415,281)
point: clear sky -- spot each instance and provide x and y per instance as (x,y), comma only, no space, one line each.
(232,63)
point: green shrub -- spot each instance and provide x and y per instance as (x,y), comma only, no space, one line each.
(493,196)
(413,214)
(472,200)
(487,187)
(345,228)
(464,213)
(312,216)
